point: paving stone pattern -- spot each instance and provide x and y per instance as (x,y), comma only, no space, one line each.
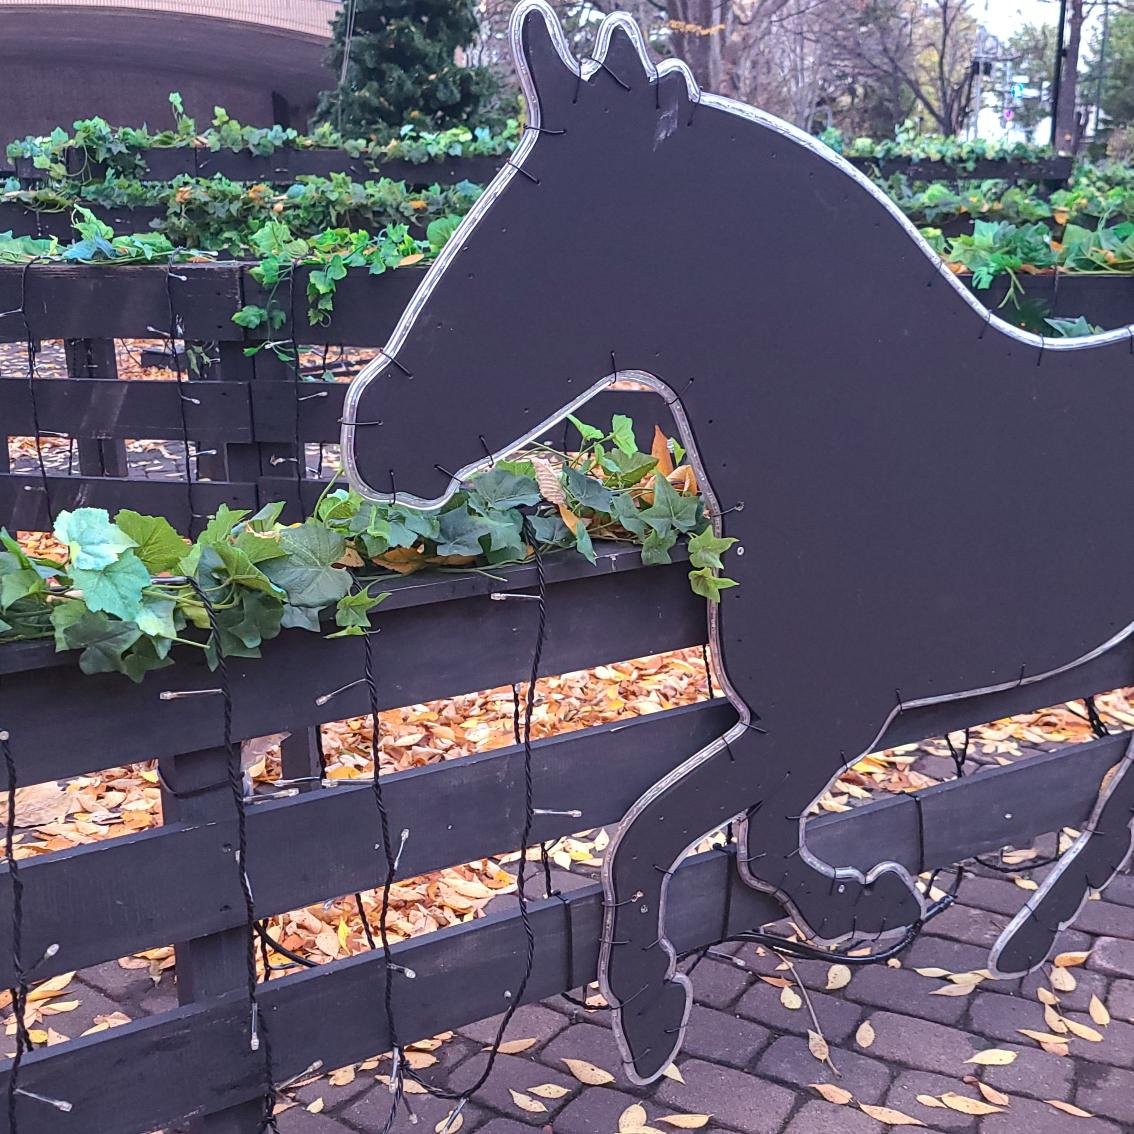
(746,1060)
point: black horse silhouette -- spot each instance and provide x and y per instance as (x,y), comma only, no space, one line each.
(887,453)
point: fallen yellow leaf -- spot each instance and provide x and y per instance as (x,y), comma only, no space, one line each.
(817,1045)
(833,1094)
(964,1105)
(1083,1032)
(1067,1108)
(864,1037)
(588,1073)
(993,1095)
(1070,960)
(634,1116)
(993,1057)
(889,1116)
(549,1091)
(838,976)
(686,1121)
(526,1102)
(1099,1012)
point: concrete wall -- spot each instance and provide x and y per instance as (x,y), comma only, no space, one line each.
(59,62)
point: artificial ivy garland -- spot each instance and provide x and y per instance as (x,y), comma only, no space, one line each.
(127,590)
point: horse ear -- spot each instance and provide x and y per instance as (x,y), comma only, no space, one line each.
(537,41)
(622,51)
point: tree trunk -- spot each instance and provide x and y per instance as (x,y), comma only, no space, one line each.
(699,33)
(1067,127)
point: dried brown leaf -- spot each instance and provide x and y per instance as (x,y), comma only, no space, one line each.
(833,1094)
(588,1073)
(965,1105)
(889,1116)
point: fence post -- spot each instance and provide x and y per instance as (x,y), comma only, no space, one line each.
(300,759)
(249,462)
(195,788)
(95,358)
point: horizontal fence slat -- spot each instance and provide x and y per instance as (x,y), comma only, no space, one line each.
(651,612)
(143,1074)
(96,301)
(596,614)
(276,408)
(24,508)
(176,882)
(97,407)
(88,301)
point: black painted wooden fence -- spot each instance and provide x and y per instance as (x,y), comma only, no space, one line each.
(176,884)
(253,410)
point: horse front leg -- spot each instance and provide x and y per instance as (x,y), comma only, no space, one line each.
(650,1001)
(829,902)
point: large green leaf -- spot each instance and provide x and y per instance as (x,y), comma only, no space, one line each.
(708,585)
(460,533)
(156,543)
(670,510)
(586,491)
(117,588)
(307,573)
(102,641)
(156,619)
(500,488)
(15,585)
(352,613)
(93,542)
(705,549)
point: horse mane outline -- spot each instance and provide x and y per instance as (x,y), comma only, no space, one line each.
(586,69)
(622,30)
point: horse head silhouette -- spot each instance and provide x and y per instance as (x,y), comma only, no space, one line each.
(888,454)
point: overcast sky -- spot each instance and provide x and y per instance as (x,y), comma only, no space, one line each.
(1003,17)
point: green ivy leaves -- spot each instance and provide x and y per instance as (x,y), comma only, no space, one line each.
(131,588)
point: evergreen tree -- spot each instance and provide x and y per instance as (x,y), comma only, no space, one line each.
(402,68)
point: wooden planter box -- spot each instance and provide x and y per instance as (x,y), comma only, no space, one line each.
(281,167)
(1052,172)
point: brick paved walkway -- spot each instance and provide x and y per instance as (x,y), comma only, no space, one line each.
(746,1059)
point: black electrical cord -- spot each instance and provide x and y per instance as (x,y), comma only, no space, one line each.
(19,992)
(260,1034)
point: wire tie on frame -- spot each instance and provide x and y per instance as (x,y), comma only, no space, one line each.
(542,129)
(393,358)
(602,64)
(520,169)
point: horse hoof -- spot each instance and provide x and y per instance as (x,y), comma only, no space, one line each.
(650,1030)
(835,909)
